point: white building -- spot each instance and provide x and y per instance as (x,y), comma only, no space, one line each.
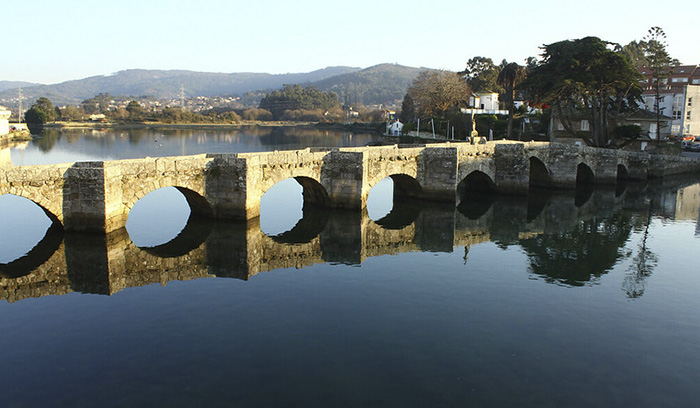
(4,120)
(394,128)
(484,100)
(679,99)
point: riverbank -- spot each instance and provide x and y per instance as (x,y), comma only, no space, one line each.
(16,136)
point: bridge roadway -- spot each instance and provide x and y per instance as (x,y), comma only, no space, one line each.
(97,196)
(109,263)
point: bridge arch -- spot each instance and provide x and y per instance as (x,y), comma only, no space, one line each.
(539,174)
(168,220)
(584,176)
(198,204)
(398,207)
(406,186)
(294,210)
(49,207)
(475,194)
(475,182)
(622,173)
(313,192)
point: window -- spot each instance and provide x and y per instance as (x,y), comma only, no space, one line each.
(687,115)
(677,114)
(677,101)
(696,81)
(675,129)
(584,125)
(690,102)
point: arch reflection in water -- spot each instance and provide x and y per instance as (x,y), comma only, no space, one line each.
(281,207)
(29,236)
(392,202)
(476,194)
(289,212)
(158,218)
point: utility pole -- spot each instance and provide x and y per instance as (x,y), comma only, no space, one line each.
(19,109)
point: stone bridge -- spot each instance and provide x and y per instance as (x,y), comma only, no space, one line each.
(97,196)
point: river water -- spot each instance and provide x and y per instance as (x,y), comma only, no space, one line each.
(551,300)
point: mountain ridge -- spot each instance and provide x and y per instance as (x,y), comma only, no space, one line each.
(377,84)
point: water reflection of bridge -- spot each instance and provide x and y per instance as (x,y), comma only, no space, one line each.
(108,263)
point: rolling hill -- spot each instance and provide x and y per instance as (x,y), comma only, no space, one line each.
(4,85)
(378,84)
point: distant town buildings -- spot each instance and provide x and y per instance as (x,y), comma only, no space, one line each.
(679,99)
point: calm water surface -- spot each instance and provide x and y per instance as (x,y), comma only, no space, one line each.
(69,145)
(550,301)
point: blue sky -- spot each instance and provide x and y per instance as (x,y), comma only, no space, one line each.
(54,41)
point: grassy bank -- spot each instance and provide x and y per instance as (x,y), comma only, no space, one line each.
(17,136)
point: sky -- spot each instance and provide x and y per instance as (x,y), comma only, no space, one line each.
(49,41)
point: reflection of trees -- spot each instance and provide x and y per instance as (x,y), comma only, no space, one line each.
(580,255)
(48,139)
(643,264)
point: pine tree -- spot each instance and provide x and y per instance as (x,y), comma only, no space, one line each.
(659,65)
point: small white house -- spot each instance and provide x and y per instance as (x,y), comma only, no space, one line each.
(394,128)
(485,100)
(4,120)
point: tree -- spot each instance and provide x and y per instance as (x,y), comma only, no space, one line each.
(435,92)
(481,74)
(134,108)
(98,103)
(42,111)
(257,114)
(72,113)
(294,97)
(408,109)
(586,78)
(659,64)
(634,51)
(510,76)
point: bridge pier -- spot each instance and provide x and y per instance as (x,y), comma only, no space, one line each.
(563,165)
(512,168)
(437,173)
(85,199)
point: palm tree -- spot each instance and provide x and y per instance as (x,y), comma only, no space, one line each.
(510,76)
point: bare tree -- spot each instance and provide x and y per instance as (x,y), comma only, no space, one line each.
(434,92)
